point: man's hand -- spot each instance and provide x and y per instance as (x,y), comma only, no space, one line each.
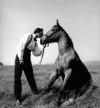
(21,62)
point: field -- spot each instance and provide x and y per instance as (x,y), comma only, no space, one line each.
(42,74)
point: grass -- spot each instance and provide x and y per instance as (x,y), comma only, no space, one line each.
(42,74)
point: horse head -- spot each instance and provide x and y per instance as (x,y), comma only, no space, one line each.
(52,35)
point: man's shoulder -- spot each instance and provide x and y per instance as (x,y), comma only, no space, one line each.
(27,34)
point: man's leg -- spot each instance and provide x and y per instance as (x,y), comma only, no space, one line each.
(28,70)
(17,79)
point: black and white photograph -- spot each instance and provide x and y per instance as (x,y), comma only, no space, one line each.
(49,53)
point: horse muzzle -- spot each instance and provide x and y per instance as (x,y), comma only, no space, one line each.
(42,40)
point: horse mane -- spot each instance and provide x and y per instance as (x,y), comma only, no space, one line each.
(70,42)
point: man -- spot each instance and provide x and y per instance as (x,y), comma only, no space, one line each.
(28,44)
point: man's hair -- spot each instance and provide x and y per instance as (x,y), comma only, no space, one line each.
(38,30)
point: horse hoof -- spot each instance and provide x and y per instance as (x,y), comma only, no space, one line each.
(68,102)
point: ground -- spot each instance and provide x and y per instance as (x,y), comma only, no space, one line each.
(42,74)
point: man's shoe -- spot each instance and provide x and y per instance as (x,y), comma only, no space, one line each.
(18,103)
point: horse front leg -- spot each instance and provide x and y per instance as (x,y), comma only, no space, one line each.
(62,92)
(53,78)
(61,72)
(67,75)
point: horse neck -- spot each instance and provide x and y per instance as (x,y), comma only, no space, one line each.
(64,44)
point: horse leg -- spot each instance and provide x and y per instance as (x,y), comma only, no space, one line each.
(62,73)
(63,92)
(67,75)
(53,78)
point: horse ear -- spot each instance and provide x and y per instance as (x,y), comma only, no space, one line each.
(57,22)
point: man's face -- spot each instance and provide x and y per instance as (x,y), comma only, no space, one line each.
(39,35)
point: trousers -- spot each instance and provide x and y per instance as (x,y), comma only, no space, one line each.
(28,71)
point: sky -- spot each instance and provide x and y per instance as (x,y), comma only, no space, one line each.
(80,19)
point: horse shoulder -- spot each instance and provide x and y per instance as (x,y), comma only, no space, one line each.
(64,60)
(69,55)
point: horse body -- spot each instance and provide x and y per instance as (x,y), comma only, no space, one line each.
(63,60)
(67,60)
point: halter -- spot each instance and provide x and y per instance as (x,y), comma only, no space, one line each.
(51,34)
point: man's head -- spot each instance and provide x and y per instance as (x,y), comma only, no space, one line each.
(38,32)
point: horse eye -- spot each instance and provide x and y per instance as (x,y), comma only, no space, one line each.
(54,29)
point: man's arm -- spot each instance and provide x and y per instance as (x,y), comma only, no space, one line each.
(24,45)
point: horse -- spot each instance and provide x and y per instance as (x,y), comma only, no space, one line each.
(75,75)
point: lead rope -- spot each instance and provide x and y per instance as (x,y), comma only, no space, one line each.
(39,64)
(42,54)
